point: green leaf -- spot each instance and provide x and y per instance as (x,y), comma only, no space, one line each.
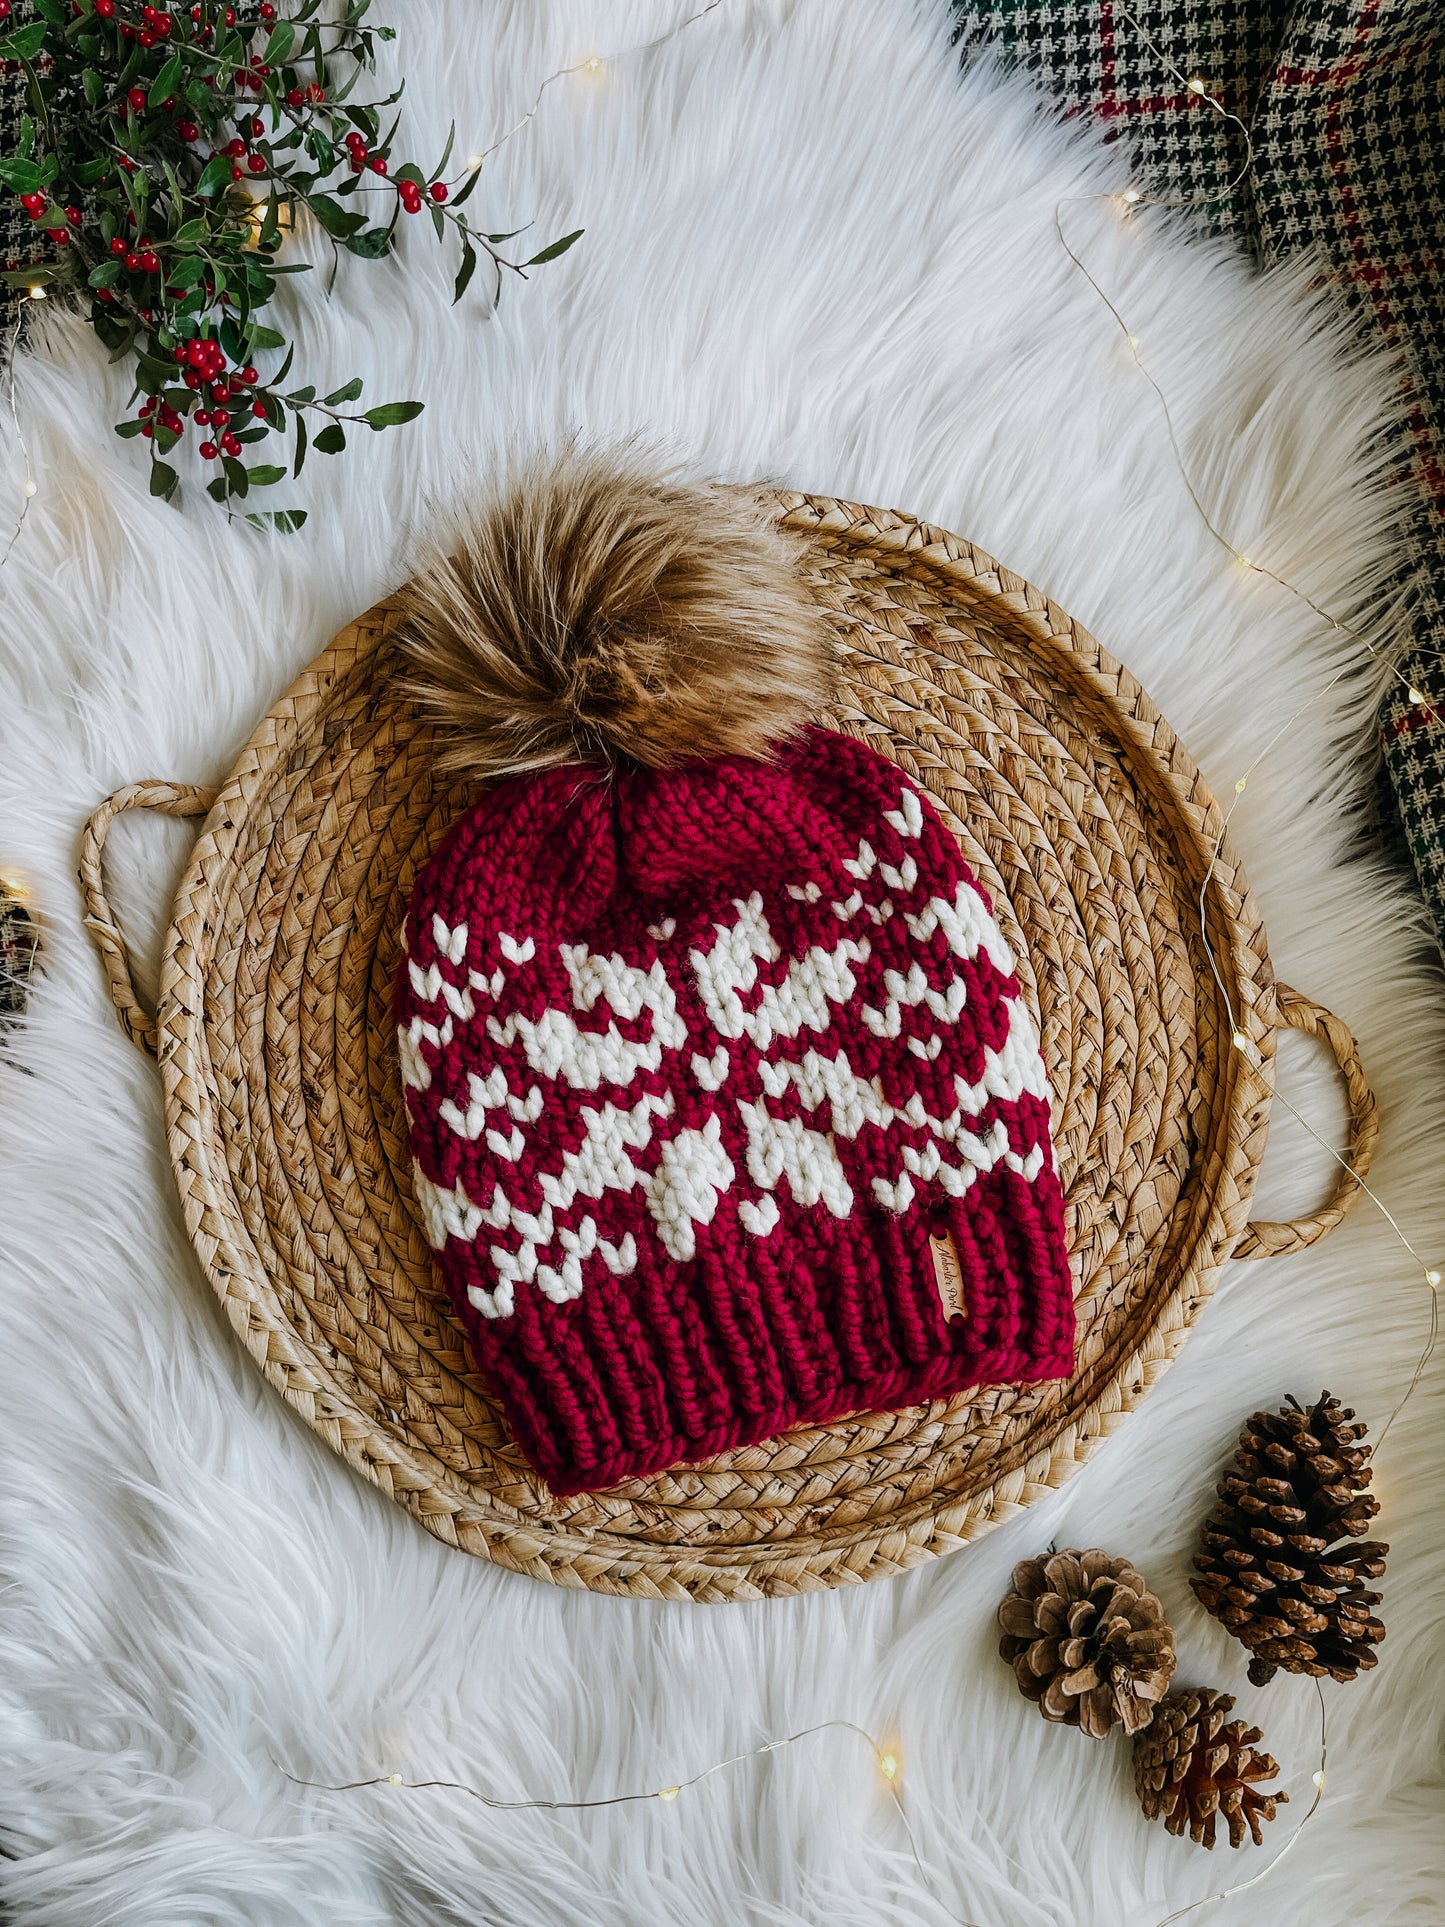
(103,276)
(165,83)
(264,474)
(557,247)
(465,190)
(164,479)
(94,85)
(217,489)
(188,272)
(262,337)
(371,244)
(87,173)
(333,217)
(332,439)
(301,395)
(24,176)
(236,475)
(283,39)
(189,232)
(25,44)
(215,175)
(129,428)
(283,521)
(389,414)
(300,443)
(348,393)
(466,270)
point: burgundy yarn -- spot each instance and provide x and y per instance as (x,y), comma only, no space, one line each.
(697,1062)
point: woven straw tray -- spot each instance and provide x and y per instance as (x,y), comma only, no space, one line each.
(1081,813)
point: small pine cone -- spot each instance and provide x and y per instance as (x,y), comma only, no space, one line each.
(1192,1763)
(1087,1640)
(1273,1565)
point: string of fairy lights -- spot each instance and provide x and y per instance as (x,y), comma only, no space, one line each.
(1128,204)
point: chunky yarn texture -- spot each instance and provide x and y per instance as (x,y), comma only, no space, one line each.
(726,1112)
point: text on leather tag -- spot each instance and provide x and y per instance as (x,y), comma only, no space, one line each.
(947,1274)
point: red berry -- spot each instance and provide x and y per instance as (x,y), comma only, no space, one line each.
(315,91)
(146,406)
(439,190)
(72,214)
(147,38)
(258,409)
(137,97)
(132,262)
(105,8)
(294,97)
(31,201)
(220,416)
(150,262)
(377,163)
(256,164)
(191,378)
(180,348)
(5,9)
(267,11)
(230,444)
(203,417)
(238,173)
(208,451)
(258,127)
(220,392)
(35,213)
(104,294)
(60,236)
(248,373)
(163,27)
(188,130)
(147,431)
(235,149)
(230,16)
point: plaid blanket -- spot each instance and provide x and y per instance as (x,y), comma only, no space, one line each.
(1345,101)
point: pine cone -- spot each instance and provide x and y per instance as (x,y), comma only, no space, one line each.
(1190,1764)
(1087,1640)
(1273,1569)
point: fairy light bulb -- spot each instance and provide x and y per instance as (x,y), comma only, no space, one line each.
(593,63)
(474,161)
(1195,83)
(393,1779)
(1432,1278)
(1417,696)
(1130,196)
(668,1792)
(36,293)
(1133,341)
(888,1766)
(30,485)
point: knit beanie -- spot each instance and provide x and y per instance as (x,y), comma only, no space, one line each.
(726,1112)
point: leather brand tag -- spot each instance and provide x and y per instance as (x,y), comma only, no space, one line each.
(947,1274)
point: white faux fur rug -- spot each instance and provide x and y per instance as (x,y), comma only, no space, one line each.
(813,251)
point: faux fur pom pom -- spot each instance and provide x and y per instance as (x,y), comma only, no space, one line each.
(599,611)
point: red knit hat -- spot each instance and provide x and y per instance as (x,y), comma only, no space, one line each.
(727,1114)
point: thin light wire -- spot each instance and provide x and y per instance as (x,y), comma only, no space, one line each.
(1137,198)
(881,1757)
(592,62)
(1243,1886)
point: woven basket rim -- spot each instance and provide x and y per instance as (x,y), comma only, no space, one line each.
(611,1561)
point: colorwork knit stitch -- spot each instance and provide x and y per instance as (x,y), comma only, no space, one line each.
(727,1114)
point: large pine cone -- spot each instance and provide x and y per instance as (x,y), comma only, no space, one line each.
(1088,1640)
(1273,1568)
(1193,1763)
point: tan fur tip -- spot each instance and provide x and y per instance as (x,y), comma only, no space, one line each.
(596,610)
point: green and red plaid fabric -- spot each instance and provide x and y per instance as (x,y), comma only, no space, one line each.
(1345,100)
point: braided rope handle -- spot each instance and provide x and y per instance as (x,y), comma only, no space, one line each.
(173,799)
(1270,1239)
